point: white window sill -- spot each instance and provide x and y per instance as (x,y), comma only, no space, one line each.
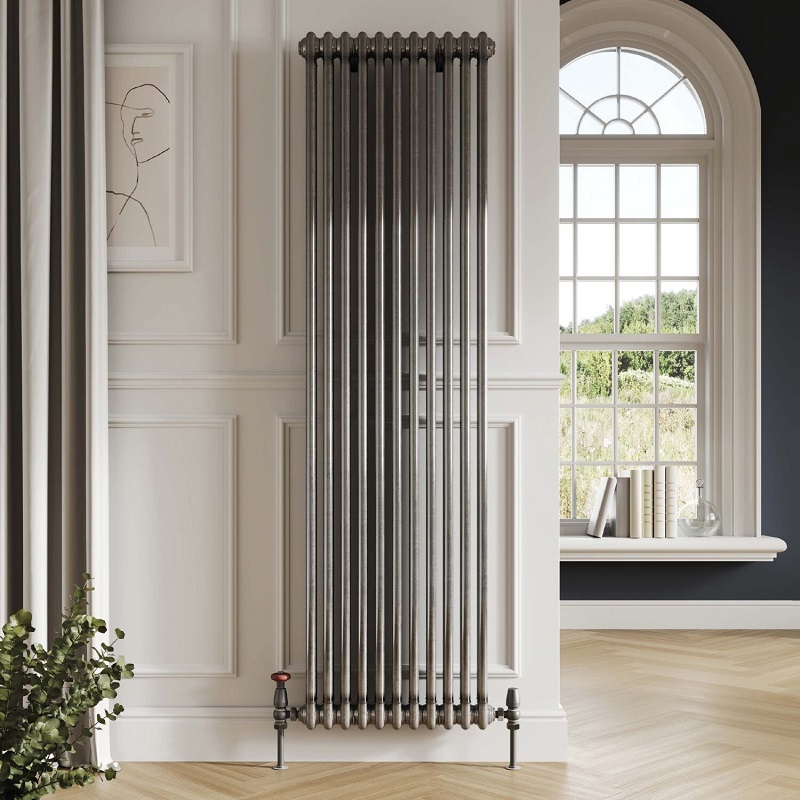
(712,548)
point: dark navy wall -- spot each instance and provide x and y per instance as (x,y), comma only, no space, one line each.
(770,47)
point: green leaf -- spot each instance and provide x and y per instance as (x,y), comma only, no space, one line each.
(120,633)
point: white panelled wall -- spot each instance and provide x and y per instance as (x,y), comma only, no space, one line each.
(207,394)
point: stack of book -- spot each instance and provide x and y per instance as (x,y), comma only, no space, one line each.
(640,504)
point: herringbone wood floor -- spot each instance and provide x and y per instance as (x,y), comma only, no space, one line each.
(654,715)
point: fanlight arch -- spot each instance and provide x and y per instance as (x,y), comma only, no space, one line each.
(622,90)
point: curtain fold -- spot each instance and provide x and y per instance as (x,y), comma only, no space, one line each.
(53,296)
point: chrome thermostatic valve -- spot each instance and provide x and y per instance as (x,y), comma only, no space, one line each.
(280,712)
(512,714)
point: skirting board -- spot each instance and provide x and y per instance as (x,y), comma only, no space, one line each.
(680,614)
(246,734)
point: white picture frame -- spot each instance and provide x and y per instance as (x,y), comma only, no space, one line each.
(149,157)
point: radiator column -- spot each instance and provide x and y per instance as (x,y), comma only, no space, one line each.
(413,374)
(346,439)
(311,384)
(464,384)
(447,388)
(327,381)
(363,500)
(380,396)
(397,382)
(431,566)
(484,711)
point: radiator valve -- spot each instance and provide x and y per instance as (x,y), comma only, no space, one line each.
(280,712)
(512,715)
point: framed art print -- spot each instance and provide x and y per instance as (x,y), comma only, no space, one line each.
(149,157)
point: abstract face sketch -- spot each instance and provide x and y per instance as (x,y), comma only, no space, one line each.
(138,192)
(149,170)
(141,113)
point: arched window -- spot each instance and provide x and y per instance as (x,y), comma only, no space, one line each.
(645,252)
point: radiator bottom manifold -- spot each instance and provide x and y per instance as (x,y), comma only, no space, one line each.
(383,715)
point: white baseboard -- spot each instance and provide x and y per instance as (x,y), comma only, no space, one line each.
(246,734)
(680,614)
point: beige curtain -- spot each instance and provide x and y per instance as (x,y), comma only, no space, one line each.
(53,302)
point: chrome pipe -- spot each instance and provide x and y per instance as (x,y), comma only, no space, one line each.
(482,498)
(327,382)
(346,434)
(464,345)
(413,368)
(397,382)
(311,384)
(363,500)
(380,391)
(430,382)
(447,368)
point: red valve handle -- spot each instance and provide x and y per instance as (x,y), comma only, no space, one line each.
(280,677)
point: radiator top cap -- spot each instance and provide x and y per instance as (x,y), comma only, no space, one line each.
(280,677)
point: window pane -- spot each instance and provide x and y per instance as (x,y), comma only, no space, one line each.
(565,492)
(566,246)
(565,368)
(679,307)
(680,112)
(646,125)
(596,249)
(679,190)
(605,109)
(595,306)
(587,479)
(637,191)
(680,249)
(635,376)
(590,125)
(565,191)
(630,109)
(676,376)
(637,307)
(590,77)
(686,488)
(569,114)
(566,434)
(618,127)
(644,76)
(676,434)
(594,433)
(565,307)
(637,249)
(596,191)
(635,433)
(593,376)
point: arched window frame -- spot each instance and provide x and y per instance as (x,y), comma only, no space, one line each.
(730,446)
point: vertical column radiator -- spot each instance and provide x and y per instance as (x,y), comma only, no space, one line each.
(396,248)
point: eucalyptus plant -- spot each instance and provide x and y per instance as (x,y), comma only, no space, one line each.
(45,695)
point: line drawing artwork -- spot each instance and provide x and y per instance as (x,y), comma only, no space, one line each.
(148,123)
(144,122)
(138,190)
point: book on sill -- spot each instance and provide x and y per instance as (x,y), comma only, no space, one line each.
(603,505)
(621,513)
